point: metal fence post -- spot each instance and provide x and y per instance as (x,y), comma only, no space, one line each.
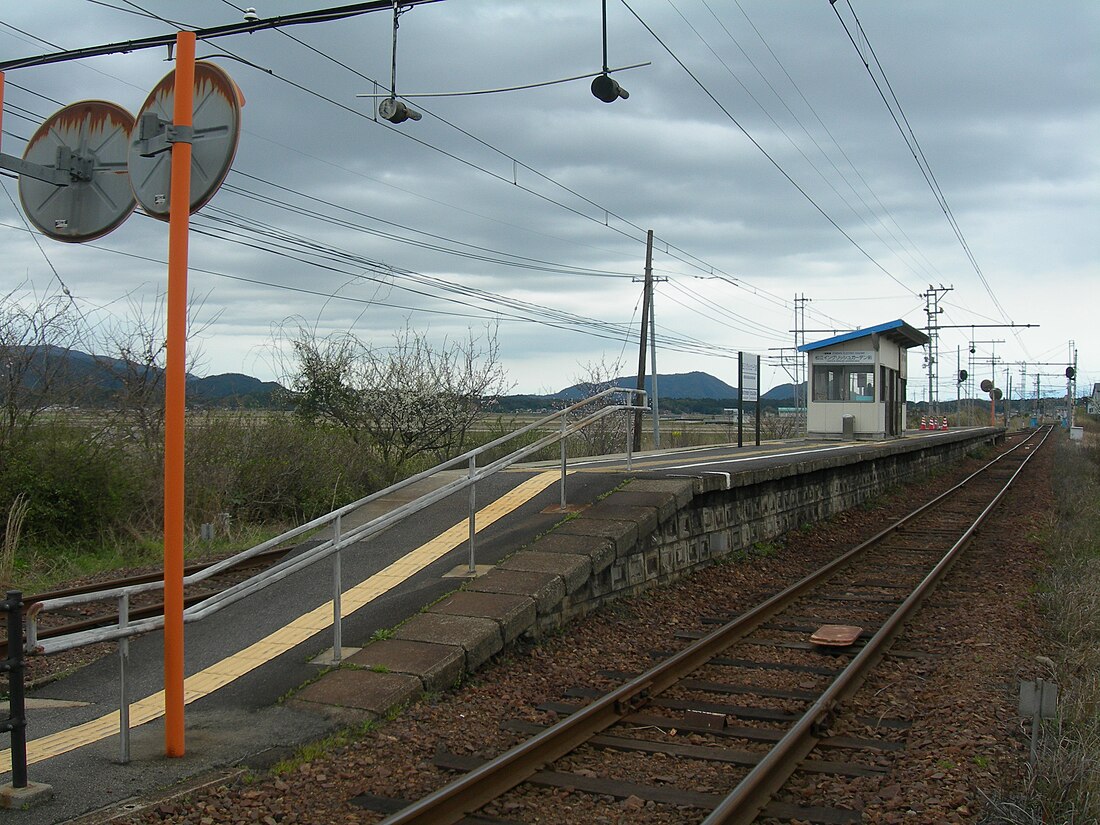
(473,517)
(629,436)
(17,711)
(123,685)
(337,589)
(563,461)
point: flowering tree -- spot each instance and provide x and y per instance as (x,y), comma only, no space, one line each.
(405,401)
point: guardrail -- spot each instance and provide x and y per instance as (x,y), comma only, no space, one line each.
(331,547)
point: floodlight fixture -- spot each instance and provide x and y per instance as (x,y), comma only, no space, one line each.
(395,111)
(607,89)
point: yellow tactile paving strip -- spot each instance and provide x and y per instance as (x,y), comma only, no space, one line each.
(222,673)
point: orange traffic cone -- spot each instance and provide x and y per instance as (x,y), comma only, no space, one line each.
(944,427)
(923,423)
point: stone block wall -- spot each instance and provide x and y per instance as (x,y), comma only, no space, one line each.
(649,532)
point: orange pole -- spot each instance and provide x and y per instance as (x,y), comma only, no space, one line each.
(179,211)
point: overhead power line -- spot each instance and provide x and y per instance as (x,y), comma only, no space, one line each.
(896,110)
(363,8)
(702,86)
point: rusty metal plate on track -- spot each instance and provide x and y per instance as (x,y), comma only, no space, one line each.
(706,719)
(836,635)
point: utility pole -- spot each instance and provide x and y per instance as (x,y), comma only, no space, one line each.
(1071,388)
(653,363)
(933,309)
(652,367)
(801,398)
(958,383)
(992,368)
(647,293)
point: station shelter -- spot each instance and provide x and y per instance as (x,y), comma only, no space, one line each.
(857,382)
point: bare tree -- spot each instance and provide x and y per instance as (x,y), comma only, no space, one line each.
(404,401)
(131,373)
(608,435)
(35,342)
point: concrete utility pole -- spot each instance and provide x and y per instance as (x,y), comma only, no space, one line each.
(801,401)
(933,309)
(650,282)
(647,295)
(1071,388)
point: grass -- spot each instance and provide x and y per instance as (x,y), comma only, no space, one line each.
(323,747)
(42,568)
(1063,786)
(12,532)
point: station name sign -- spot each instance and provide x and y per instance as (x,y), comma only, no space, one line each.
(749,377)
(843,357)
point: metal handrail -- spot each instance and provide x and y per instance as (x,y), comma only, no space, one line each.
(327,548)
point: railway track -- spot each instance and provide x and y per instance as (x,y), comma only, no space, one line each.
(90,616)
(708,705)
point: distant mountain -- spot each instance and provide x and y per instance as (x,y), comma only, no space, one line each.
(97,378)
(673,385)
(234,389)
(784,392)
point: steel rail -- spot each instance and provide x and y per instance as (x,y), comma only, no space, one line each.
(137,612)
(140,578)
(472,790)
(293,564)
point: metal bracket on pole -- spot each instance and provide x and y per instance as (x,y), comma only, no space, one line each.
(57,176)
(156,135)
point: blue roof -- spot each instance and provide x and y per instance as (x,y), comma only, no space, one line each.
(898,331)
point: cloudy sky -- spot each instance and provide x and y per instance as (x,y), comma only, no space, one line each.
(756,146)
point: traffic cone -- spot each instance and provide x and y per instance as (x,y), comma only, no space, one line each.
(923,423)
(944,427)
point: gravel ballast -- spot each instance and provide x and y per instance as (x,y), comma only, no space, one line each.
(956,687)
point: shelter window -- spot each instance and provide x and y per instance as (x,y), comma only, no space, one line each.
(844,383)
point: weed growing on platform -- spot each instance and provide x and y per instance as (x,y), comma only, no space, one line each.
(311,751)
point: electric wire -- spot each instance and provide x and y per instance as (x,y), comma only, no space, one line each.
(669,248)
(512,259)
(42,251)
(740,322)
(763,151)
(324,14)
(682,342)
(915,149)
(736,282)
(790,140)
(908,245)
